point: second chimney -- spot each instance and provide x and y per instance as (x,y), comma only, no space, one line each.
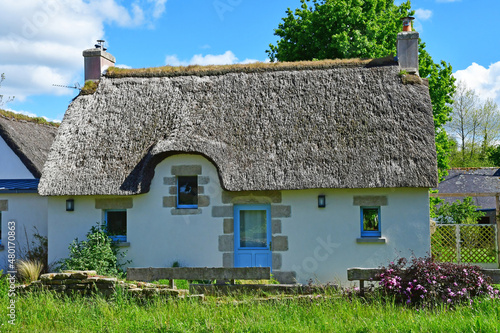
(407,47)
(96,61)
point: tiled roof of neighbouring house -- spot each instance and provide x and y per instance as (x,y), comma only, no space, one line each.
(18,185)
(472,180)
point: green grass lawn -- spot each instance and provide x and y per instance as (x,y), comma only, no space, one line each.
(47,313)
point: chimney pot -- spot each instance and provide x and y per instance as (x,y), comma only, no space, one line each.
(97,60)
(407,23)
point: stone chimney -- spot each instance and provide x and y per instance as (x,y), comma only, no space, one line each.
(407,46)
(96,61)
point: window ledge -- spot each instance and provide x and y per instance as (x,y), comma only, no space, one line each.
(122,244)
(185,211)
(376,240)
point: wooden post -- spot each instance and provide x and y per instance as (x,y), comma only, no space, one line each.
(457,243)
(497,197)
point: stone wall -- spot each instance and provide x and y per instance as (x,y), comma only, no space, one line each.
(88,282)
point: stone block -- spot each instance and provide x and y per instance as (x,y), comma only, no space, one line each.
(186,170)
(186,211)
(172,190)
(280,243)
(170,201)
(370,200)
(61,276)
(203,180)
(276,227)
(169,181)
(222,211)
(242,197)
(226,243)
(277,261)
(228,259)
(114,203)
(203,201)
(280,211)
(285,277)
(228,226)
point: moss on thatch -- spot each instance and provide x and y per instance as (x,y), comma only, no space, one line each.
(196,70)
(18,116)
(89,88)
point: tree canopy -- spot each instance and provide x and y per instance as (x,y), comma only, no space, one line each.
(331,29)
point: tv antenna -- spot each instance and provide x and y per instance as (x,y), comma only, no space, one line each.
(76,86)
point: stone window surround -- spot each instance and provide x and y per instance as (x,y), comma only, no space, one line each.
(105,204)
(370,201)
(170,201)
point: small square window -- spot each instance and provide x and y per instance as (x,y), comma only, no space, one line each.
(187,192)
(370,222)
(116,224)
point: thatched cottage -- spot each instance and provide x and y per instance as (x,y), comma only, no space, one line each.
(24,146)
(309,168)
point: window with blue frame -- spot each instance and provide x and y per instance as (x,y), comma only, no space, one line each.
(370,222)
(187,192)
(116,224)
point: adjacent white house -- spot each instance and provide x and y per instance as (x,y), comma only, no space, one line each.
(24,145)
(309,168)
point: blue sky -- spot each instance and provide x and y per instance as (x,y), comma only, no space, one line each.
(41,41)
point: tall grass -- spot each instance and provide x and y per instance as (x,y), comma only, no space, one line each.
(29,269)
(45,312)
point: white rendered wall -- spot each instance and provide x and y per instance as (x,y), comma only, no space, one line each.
(322,241)
(64,227)
(157,238)
(11,166)
(28,210)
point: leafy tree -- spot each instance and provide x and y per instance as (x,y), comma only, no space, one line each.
(457,212)
(8,99)
(330,29)
(333,29)
(475,125)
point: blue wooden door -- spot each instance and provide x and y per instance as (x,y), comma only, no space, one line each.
(252,236)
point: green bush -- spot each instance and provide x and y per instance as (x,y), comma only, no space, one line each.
(97,253)
(458,212)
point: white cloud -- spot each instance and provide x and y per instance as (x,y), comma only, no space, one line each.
(41,41)
(122,66)
(227,58)
(423,14)
(159,7)
(485,81)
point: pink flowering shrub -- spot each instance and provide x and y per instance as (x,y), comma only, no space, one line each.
(422,282)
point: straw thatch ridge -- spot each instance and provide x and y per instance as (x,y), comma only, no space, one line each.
(345,127)
(29,140)
(258,67)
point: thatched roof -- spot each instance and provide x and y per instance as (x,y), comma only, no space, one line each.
(472,180)
(29,139)
(331,126)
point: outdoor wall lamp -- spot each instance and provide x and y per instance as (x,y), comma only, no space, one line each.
(70,205)
(321,201)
